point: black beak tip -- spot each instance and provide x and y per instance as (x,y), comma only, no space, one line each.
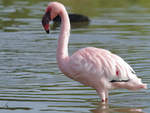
(47,31)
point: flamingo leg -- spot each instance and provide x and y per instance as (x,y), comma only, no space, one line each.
(102,94)
(106,95)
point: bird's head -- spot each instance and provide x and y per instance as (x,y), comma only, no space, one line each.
(53,9)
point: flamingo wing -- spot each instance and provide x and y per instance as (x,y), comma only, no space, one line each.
(99,63)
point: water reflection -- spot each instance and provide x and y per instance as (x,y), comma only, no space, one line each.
(106,108)
(97,108)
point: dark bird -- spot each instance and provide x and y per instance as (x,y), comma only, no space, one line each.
(73,18)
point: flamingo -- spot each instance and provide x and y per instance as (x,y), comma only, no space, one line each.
(94,67)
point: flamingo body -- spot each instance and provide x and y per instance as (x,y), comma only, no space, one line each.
(94,67)
(99,63)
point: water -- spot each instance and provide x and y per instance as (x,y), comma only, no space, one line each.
(30,80)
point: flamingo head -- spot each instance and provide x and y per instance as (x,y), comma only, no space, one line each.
(53,9)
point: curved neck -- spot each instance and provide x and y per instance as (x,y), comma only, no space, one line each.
(62,47)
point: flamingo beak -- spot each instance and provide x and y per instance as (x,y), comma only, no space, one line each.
(45,21)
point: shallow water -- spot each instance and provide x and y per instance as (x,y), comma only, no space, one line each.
(30,80)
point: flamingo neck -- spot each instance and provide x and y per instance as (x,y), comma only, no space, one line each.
(62,47)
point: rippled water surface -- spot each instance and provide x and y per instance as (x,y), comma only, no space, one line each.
(30,80)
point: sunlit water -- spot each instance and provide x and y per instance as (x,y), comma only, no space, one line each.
(30,80)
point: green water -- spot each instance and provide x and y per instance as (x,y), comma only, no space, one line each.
(30,81)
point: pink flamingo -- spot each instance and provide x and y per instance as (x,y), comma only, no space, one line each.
(94,67)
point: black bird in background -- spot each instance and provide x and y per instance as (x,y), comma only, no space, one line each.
(73,18)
